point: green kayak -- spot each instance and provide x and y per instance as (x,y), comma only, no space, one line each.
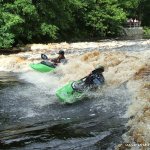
(42,67)
(67,94)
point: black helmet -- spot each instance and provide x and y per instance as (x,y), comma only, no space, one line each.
(98,69)
(61,52)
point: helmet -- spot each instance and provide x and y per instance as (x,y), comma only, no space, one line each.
(61,52)
(98,69)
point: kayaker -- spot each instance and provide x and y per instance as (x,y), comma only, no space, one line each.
(60,59)
(95,77)
(92,81)
(55,61)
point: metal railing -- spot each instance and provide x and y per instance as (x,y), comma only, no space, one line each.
(132,23)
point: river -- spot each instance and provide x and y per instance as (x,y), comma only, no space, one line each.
(31,117)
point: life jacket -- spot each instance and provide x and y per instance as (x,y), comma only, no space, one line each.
(95,79)
(58,59)
(92,81)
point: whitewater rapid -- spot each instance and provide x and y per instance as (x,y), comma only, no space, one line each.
(125,62)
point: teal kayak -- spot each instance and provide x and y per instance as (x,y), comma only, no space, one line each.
(41,67)
(67,94)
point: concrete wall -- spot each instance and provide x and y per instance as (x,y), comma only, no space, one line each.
(133,33)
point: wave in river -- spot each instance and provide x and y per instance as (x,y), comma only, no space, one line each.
(126,63)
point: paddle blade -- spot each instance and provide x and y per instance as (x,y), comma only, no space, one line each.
(43,56)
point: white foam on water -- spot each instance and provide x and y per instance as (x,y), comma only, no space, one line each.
(41,80)
(121,66)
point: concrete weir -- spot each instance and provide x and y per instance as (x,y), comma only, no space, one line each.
(133,33)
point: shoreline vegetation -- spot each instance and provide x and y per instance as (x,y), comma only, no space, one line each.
(31,21)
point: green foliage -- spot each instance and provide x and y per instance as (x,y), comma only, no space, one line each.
(7,22)
(50,30)
(29,21)
(147,32)
(27,12)
(104,17)
(129,4)
(6,39)
(144,9)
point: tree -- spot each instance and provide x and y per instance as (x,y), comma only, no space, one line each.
(28,21)
(103,17)
(144,11)
(7,22)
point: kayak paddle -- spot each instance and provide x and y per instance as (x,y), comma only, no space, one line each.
(43,56)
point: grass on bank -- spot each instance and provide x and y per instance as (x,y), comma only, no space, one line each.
(146,32)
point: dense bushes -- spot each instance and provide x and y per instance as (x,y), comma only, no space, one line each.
(27,21)
(147,32)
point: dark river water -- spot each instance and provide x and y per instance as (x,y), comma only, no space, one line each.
(96,123)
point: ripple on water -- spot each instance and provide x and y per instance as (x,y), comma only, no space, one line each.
(92,123)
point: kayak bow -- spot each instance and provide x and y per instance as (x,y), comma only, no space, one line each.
(67,94)
(41,67)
